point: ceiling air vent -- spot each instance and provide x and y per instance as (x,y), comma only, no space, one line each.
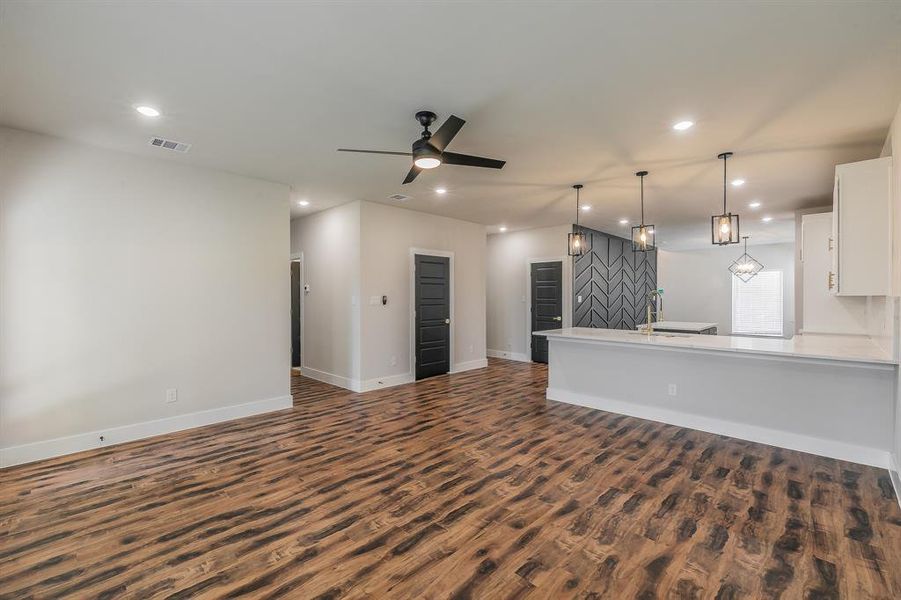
(398,197)
(170,144)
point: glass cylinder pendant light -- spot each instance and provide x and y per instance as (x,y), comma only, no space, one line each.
(643,235)
(745,267)
(577,241)
(724,228)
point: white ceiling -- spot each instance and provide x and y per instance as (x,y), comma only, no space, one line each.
(565,92)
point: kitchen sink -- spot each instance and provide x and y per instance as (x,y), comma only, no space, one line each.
(660,334)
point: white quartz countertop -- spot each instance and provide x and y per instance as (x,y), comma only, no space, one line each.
(817,346)
(680,325)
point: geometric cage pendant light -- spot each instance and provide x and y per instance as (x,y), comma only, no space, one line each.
(644,236)
(724,228)
(577,241)
(745,267)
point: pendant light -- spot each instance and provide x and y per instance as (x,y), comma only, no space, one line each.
(724,229)
(577,241)
(643,236)
(745,266)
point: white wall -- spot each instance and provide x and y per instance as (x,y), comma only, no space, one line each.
(893,148)
(508,279)
(388,234)
(697,285)
(121,277)
(361,251)
(329,242)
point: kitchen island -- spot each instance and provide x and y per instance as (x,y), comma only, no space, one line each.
(784,392)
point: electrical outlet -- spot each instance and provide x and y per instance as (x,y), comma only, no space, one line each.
(171,395)
(393,361)
(671,389)
(470,349)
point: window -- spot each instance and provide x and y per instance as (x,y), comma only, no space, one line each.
(757,304)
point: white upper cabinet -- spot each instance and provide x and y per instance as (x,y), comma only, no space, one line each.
(862,229)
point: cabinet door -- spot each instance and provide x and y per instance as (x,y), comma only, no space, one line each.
(822,311)
(863,228)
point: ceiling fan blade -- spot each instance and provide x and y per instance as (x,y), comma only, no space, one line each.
(441,138)
(452,158)
(375,152)
(414,171)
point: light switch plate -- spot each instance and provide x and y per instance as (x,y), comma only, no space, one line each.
(171,395)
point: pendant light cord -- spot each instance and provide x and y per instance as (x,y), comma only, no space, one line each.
(642,200)
(725,158)
(577,208)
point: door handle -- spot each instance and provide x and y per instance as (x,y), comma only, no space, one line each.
(558,318)
(447,321)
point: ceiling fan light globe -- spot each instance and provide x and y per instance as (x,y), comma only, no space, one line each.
(427,162)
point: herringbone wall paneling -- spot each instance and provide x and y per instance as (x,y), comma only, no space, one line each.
(613,282)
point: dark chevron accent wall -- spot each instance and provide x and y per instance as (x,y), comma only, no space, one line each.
(613,282)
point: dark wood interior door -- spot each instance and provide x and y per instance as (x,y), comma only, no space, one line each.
(432,316)
(295,314)
(547,304)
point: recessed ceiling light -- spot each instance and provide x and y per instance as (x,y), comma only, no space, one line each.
(303,202)
(683,125)
(502,229)
(738,182)
(586,208)
(624,221)
(754,204)
(147,111)
(440,191)
(767,219)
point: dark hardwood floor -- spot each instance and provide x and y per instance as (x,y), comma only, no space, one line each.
(462,486)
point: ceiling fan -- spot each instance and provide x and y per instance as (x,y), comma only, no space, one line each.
(429,150)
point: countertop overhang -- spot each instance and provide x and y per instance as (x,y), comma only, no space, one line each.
(840,348)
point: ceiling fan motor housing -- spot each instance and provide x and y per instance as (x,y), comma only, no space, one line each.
(423,149)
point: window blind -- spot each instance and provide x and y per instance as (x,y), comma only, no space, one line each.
(757,304)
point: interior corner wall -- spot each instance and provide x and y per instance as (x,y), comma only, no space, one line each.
(508,278)
(892,148)
(329,242)
(697,284)
(122,277)
(387,235)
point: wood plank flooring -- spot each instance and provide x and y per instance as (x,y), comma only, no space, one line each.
(462,486)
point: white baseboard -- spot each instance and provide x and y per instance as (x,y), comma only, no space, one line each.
(469,365)
(783,439)
(894,472)
(378,383)
(17,455)
(347,383)
(518,356)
